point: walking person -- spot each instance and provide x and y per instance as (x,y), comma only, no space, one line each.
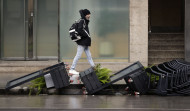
(84,43)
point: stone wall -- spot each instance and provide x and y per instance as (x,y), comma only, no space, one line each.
(187,31)
(139,31)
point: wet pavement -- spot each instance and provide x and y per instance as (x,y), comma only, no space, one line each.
(94,103)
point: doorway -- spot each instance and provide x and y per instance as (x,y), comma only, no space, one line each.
(166,31)
(29,29)
(166,16)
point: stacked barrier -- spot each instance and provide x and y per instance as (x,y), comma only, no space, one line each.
(174,78)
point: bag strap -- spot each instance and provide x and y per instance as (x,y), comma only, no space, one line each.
(84,26)
(84,22)
(77,21)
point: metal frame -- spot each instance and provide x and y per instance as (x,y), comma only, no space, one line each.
(24,33)
(1,38)
(34,30)
(59,56)
(27,34)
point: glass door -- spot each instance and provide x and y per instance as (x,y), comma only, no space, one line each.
(13,29)
(29,29)
(46,29)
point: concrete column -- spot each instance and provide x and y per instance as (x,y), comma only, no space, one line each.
(187,30)
(139,31)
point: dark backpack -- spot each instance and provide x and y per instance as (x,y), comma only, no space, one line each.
(73,31)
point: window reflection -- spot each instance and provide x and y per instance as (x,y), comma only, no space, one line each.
(13,41)
(109,27)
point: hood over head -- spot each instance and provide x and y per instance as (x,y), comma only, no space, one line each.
(83,13)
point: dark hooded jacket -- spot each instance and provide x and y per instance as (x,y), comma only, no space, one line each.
(83,31)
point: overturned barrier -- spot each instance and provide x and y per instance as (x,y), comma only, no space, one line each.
(56,73)
(134,71)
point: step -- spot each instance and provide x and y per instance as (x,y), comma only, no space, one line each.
(166,42)
(24,66)
(155,61)
(28,67)
(166,47)
(166,36)
(166,54)
(26,63)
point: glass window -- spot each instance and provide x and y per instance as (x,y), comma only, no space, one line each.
(47,29)
(109,28)
(13,39)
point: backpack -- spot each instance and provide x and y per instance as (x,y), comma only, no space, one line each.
(73,31)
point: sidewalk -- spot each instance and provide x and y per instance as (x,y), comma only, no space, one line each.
(94,103)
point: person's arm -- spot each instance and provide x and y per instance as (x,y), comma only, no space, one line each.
(82,32)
